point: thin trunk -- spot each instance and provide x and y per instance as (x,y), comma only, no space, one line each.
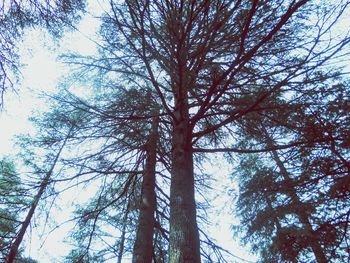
(17,242)
(304,219)
(276,218)
(143,246)
(275,215)
(184,244)
(122,238)
(15,245)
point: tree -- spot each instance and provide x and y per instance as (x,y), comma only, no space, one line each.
(16,16)
(117,128)
(285,192)
(126,148)
(210,64)
(126,113)
(54,140)
(10,203)
(143,246)
(13,201)
(24,225)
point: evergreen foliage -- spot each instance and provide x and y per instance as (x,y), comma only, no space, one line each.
(13,202)
(292,205)
(254,80)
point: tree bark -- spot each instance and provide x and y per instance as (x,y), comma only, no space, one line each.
(304,218)
(184,246)
(122,238)
(143,246)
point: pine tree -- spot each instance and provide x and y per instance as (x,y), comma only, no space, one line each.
(126,147)
(212,67)
(13,202)
(292,187)
(210,64)
(143,246)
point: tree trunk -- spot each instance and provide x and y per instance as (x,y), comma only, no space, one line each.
(122,238)
(17,242)
(15,245)
(184,238)
(304,219)
(143,246)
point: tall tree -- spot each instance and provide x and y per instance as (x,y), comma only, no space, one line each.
(286,191)
(122,144)
(13,201)
(44,182)
(115,130)
(217,62)
(126,112)
(143,247)
(211,63)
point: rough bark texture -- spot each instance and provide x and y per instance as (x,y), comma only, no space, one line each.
(143,246)
(184,238)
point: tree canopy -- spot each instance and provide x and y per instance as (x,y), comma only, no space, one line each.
(174,82)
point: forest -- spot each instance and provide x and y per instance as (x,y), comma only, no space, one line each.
(175,90)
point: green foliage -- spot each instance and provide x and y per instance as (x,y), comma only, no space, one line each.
(225,71)
(12,203)
(295,199)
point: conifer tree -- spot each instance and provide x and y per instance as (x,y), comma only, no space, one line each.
(209,67)
(211,64)
(291,204)
(13,201)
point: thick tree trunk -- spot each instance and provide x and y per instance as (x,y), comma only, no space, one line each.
(143,246)
(184,238)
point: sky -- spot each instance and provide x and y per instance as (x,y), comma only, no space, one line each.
(41,72)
